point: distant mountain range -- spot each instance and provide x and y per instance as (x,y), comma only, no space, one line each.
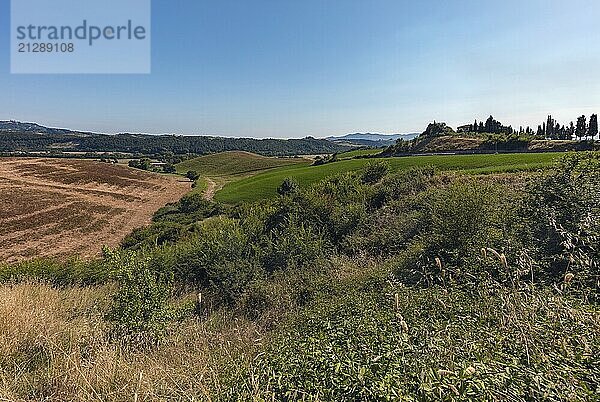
(371,139)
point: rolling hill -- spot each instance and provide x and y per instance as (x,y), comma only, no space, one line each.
(235,163)
(264,185)
(216,170)
(358,153)
(17,137)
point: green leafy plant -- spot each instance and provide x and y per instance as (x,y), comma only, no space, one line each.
(563,218)
(140,309)
(289,186)
(374,171)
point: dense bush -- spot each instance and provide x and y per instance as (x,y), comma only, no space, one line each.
(173,223)
(289,186)
(563,215)
(374,171)
(396,214)
(192,175)
(217,241)
(462,220)
(140,310)
(506,141)
(387,233)
(153,235)
(191,208)
(293,246)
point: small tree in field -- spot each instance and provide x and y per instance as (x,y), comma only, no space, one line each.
(169,168)
(192,175)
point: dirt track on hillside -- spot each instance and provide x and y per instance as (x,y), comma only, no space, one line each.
(211,189)
(61,207)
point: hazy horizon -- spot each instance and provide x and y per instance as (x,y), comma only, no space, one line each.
(270,69)
(83,130)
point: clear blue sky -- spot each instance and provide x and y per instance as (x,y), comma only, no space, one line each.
(292,68)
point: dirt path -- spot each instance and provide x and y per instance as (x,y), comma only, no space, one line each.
(211,189)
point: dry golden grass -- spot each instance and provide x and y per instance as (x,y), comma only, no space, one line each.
(53,346)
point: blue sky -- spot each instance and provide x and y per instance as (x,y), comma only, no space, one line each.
(283,68)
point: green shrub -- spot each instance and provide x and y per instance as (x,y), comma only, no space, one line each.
(204,259)
(374,172)
(154,235)
(462,221)
(293,246)
(230,280)
(563,221)
(190,209)
(192,175)
(289,186)
(488,343)
(405,183)
(140,309)
(385,234)
(192,203)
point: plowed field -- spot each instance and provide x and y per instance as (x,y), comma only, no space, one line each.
(61,207)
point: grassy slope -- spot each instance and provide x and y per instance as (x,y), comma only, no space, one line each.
(264,185)
(359,152)
(234,163)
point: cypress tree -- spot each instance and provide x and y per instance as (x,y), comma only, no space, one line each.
(581,128)
(550,127)
(593,127)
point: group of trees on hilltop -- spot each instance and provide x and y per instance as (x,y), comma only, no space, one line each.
(436,129)
(551,129)
(491,126)
(496,136)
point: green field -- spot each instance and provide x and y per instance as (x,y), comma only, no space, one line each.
(264,185)
(359,152)
(234,164)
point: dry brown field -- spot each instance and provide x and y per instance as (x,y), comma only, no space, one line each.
(63,207)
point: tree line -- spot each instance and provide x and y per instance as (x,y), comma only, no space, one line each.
(550,129)
(491,126)
(34,141)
